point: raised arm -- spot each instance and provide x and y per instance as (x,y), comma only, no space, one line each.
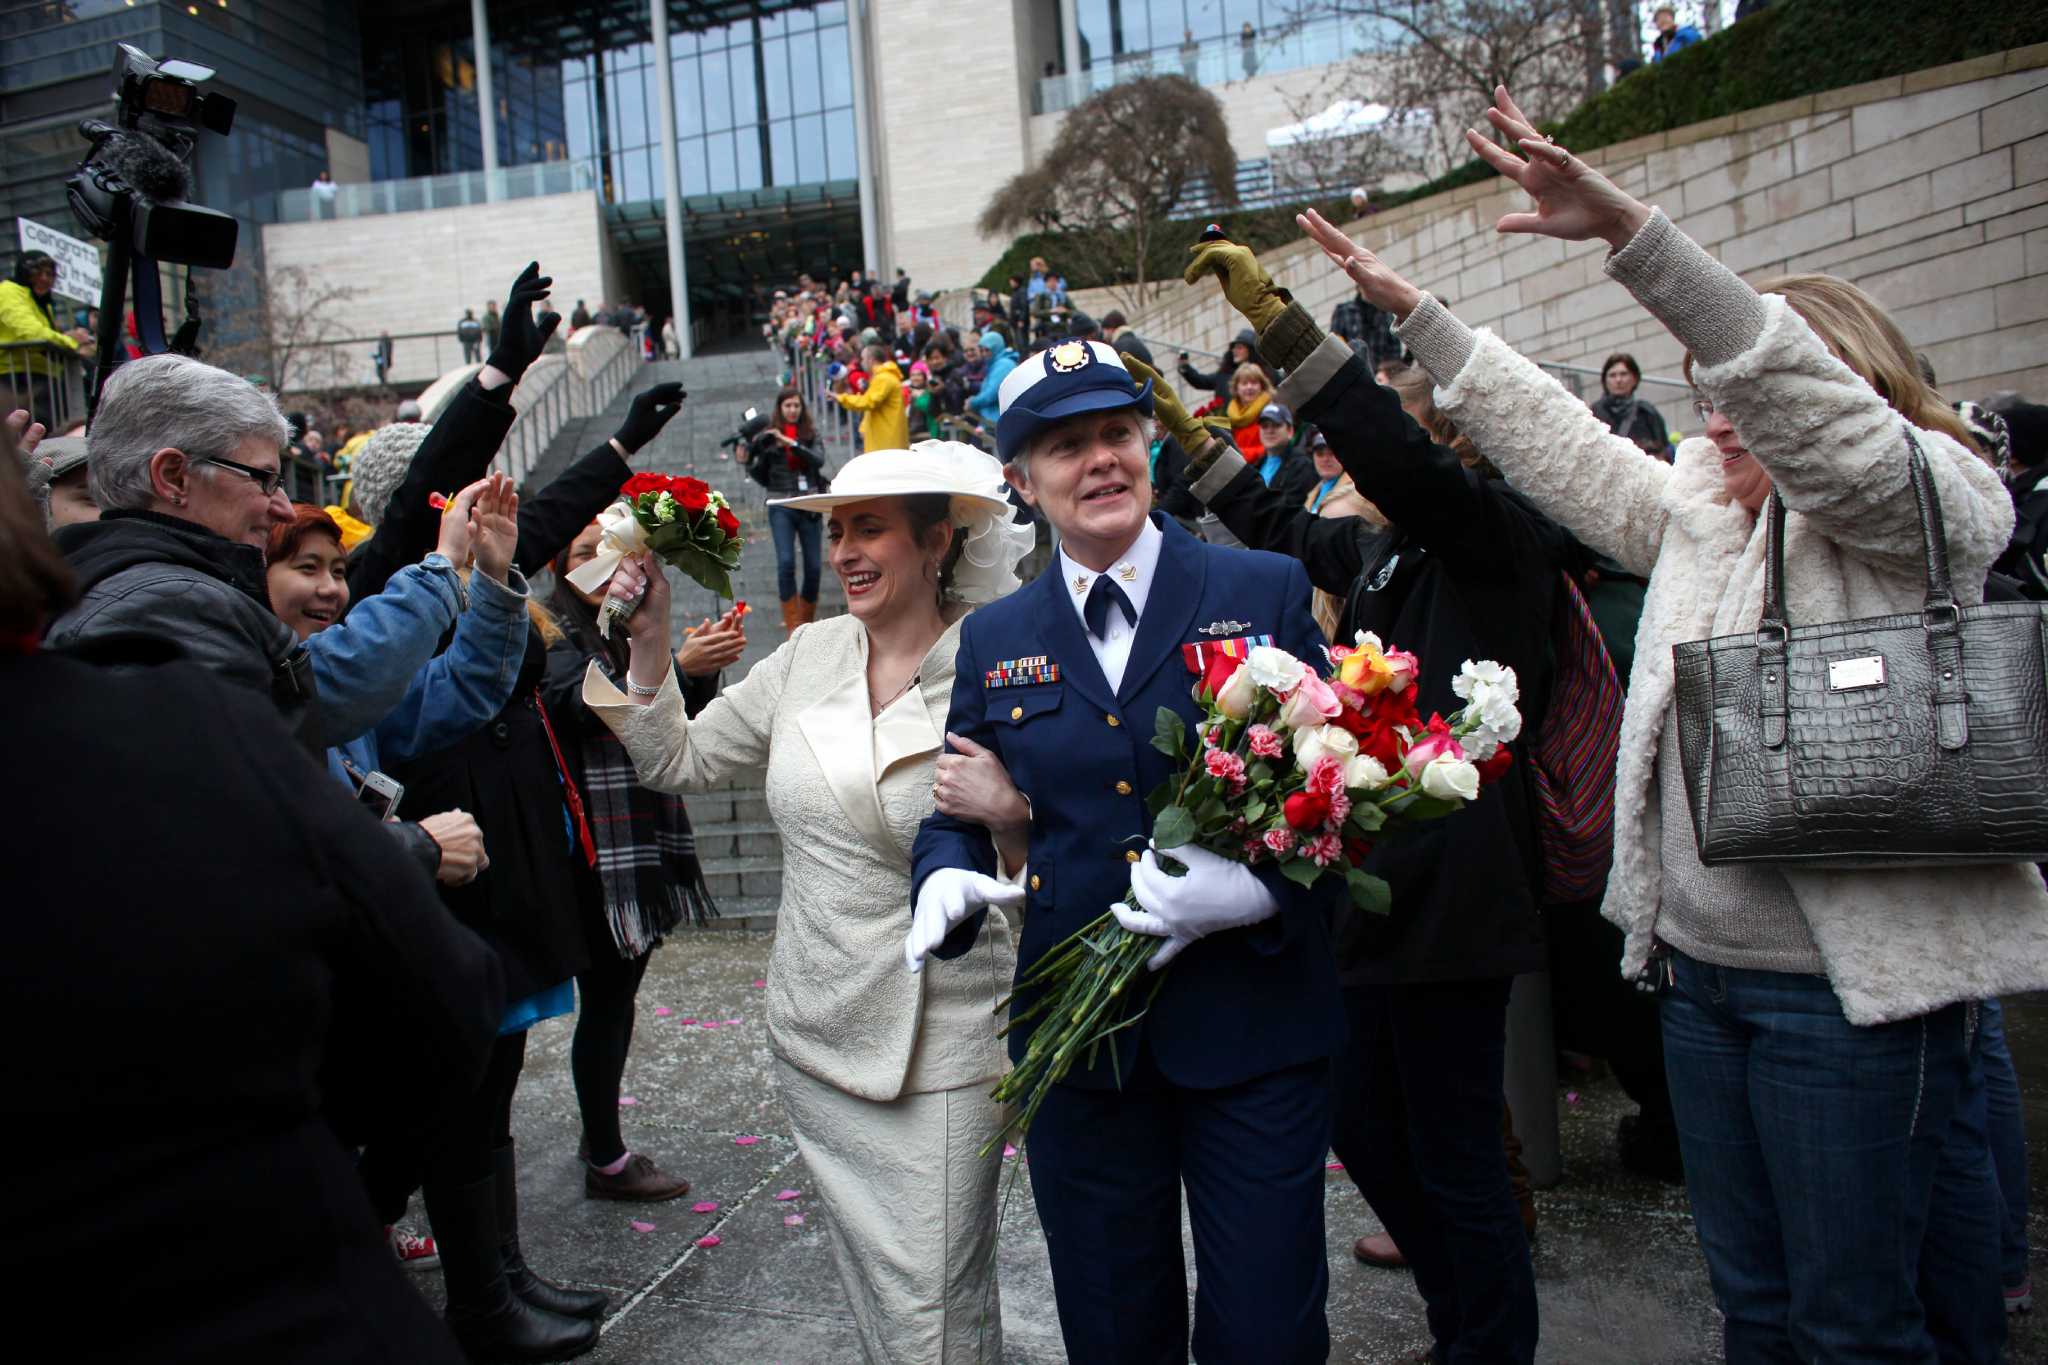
(557,514)
(671,751)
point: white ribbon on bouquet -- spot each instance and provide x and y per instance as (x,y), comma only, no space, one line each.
(622,537)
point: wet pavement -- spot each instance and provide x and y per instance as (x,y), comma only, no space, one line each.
(1619,1276)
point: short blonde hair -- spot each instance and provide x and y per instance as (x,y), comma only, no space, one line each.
(1858,332)
(1249,370)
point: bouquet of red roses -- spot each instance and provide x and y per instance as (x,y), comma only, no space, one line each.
(684,521)
(1288,767)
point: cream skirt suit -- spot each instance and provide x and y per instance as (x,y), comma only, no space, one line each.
(884,1074)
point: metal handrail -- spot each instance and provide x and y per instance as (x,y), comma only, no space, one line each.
(56,399)
(555,395)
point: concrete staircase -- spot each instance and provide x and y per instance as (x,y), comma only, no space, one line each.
(737,843)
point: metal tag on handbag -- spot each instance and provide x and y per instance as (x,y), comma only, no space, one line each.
(1896,741)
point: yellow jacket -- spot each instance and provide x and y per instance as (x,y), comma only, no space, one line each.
(21,319)
(885,423)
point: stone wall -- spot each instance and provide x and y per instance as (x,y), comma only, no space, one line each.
(1928,190)
(416,272)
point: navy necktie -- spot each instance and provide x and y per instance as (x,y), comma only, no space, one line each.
(1101,597)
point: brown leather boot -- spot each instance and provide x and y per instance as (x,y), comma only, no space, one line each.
(1518,1174)
(806,610)
(789,614)
(1379,1250)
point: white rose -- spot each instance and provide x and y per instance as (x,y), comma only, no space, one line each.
(1234,699)
(1273,668)
(1325,741)
(1364,773)
(1450,779)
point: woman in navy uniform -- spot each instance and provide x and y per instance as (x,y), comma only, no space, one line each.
(1225,1084)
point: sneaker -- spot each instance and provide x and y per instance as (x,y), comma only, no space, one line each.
(414,1253)
(2020,1297)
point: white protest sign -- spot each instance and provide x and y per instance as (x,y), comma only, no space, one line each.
(78,263)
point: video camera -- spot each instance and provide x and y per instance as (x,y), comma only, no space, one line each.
(130,191)
(752,423)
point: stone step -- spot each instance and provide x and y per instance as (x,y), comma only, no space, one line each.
(728,840)
(745,877)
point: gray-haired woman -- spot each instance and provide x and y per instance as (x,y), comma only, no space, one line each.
(1818,1024)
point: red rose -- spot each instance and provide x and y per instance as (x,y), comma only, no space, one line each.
(727,522)
(1494,768)
(1218,671)
(692,495)
(1306,810)
(1357,850)
(1376,735)
(643,483)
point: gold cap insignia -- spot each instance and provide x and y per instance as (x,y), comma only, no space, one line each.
(1069,356)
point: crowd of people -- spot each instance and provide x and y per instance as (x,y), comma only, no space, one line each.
(464,800)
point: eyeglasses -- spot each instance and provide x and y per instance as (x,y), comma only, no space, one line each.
(269,480)
(1703,408)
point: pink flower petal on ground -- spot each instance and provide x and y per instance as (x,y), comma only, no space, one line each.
(708,1206)
(1333,1165)
(662,1011)
(708,1023)
(627,1101)
(708,1240)
(787,1195)
(760,985)
(745,1140)
(1009,1150)
(687,1022)
(639,1226)
(1571,1097)
(730,1022)
(792,1220)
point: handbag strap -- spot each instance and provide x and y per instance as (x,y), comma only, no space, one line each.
(1940,615)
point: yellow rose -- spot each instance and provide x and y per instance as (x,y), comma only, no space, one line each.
(1366,670)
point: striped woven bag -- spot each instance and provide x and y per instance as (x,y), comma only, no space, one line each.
(1573,756)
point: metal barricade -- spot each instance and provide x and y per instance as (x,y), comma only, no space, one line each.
(47,379)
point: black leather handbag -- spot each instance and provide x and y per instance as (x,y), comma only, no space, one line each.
(1916,740)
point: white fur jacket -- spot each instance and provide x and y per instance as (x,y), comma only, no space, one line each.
(1895,943)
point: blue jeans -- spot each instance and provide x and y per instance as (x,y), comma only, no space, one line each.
(1810,1148)
(789,526)
(2005,1124)
(1959,1260)
(1417,1123)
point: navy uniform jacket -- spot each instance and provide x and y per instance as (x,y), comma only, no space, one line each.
(1237,1004)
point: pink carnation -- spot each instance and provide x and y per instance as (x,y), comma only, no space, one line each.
(1326,776)
(1228,766)
(1280,840)
(1340,809)
(1254,849)
(1265,743)
(1324,849)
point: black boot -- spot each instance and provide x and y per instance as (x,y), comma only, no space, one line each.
(555,1298)
(490,1322)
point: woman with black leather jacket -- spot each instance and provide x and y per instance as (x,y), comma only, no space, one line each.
(784,459)
(512,776)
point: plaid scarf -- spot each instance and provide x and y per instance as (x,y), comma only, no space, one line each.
(646,854)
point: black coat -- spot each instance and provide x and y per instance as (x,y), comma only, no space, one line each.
(232,976)
(1635,420)
(1130,343)
(1473,573)
(525,903)
(464,437)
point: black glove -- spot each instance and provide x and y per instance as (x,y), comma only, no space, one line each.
(648,415)
(522,337)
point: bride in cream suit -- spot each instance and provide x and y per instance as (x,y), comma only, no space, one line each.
(885,1074)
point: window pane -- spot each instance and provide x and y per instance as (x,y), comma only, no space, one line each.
(810,150)
(630,99)
(718,151)
(745,98)
(844,161)
(775,58)
(1092,18)
(717,92)
(576,115)
(689,91)
(747,145)
(781,153)
(803,71)
(695,180)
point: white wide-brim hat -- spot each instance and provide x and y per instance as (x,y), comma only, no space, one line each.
(980,502)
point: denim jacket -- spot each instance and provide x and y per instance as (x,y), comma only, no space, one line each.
(363,666)
(450,695)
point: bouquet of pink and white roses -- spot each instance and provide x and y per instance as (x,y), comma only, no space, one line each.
(1288,767)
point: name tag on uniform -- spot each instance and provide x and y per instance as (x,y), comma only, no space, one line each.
(1197,654)
(1039,668)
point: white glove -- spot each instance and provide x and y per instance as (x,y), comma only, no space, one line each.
(1217,893)
(948,897)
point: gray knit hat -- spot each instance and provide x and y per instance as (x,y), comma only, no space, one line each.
(381,464)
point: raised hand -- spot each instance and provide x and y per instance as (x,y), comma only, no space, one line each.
(27,434)
(1247,286)
(1192,434)
(495,523)
(458,527)
(1382,287)
(649,413)
(1573,201)
(522,336)
(713,646)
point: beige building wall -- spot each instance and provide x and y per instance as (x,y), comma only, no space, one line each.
(416,272)
(1929,190)
(1250,106)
